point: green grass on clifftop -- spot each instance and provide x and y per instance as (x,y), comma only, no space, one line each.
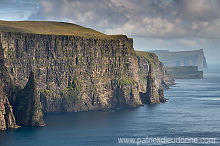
(151,57)
(53,28)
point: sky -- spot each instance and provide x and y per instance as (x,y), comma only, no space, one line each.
(174,25)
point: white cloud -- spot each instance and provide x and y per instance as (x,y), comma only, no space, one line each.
(151,27)
(143,18)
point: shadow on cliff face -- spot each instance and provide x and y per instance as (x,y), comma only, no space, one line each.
(147,99)
(28,111)
(144,98)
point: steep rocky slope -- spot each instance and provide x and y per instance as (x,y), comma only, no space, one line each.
(69,71)
(182,58)
(153,78)
(74,73)
(7,119)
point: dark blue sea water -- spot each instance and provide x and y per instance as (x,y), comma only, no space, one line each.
(193,111)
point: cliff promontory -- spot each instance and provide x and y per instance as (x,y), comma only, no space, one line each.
(182,58)
(62,67)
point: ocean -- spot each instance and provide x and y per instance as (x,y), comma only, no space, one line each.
(190,117)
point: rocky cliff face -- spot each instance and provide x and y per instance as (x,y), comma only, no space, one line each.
(67,73)
(153,78)
(74,73)
(7,119)
(182,58)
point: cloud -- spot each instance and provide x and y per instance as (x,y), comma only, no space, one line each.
(154,24)
(151,27)
(171,19)
(135,18)
(91,13)
(202,10)
(138,18)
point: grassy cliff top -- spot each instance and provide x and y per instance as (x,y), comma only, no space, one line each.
(53,28)
(151,57)
(147,55)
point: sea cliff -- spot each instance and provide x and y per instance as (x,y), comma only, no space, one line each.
(63,72)
(182,58)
